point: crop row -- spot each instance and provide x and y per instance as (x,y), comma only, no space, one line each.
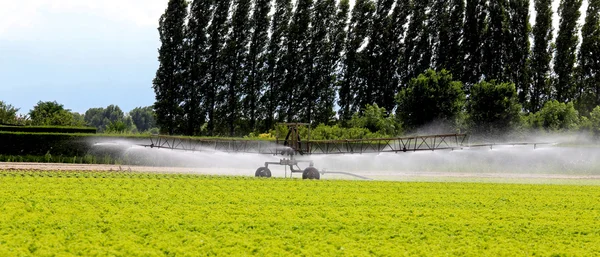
(129,214)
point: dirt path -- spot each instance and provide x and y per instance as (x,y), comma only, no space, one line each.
(219,171)
(92,167)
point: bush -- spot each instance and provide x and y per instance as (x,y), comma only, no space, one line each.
(48,129)
(324,132)
(594,121)
(493,108)
(555,116)
(376,120)
(432,97)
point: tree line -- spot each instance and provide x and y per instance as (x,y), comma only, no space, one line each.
(231,67)
(106,120)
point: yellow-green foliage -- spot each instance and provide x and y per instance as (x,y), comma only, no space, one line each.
(124,214)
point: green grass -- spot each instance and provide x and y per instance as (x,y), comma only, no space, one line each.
(127,214)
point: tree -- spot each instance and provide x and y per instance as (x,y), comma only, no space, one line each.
(78,119)
(332,64)
(143,118)
(196,50)
(276,68)
(256,63)
(394,51)
(101,118)
(8,114)
(439,32)
(589,59)
(373,91)
(95,117)
(431,97)
(449,53)
(518,68)
(566,46)
(418,53)
(170,76)
(297,62)
(354,62)
(319,93)
(216,67)
(541,56)
(50,114)
(234,55)
(493,107)
(121,126)
(474,28)
(495,48)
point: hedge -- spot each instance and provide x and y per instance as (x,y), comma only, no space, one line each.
(39,144)
(47,129)
(80,148)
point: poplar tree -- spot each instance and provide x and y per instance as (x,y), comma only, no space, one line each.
(589,59)
(541,55)
(296,61)
(439,32)
(275,62)
(495,49)
(452,48)
(418,53)
(234,55)
(566,46)
(358,30)
(396,47)
(317,94)
(475,23)
(196,55)
(169,77)
(333,63)
(375,75)
(518,48)
(217,32)
(256,62)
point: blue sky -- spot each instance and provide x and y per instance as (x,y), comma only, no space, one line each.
(83,53)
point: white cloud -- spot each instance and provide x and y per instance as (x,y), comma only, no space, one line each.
(19,15)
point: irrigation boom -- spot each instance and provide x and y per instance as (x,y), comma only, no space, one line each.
(350,146)
(292,146)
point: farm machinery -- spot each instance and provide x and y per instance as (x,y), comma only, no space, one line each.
(295,151)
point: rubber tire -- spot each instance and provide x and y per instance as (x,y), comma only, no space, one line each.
(311,173)
(263,172)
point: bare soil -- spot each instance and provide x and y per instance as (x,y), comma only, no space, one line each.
(91,167)
(213,171)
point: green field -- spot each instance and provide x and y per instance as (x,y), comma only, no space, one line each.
(126,214)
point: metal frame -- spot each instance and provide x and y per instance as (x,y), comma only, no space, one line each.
(350,146)
(293,146)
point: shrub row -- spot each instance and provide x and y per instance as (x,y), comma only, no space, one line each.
(48,129)
(42,144)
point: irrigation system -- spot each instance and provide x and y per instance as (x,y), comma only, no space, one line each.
(295,151)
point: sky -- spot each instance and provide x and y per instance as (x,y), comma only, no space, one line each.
(82,53)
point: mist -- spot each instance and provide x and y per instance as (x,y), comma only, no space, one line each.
(567,156)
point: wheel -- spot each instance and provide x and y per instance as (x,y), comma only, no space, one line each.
(311,173)
(263,172)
